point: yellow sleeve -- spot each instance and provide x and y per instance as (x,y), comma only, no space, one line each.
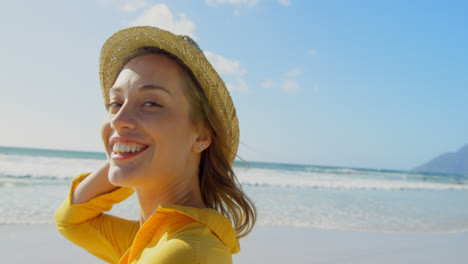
(103,235)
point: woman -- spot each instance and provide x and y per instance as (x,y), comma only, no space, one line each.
(171,136)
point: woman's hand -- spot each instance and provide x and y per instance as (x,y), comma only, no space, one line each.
(95,184)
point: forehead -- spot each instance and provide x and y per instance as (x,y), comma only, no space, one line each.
(149,69)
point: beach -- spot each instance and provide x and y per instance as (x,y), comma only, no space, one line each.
(43,244)
(306,213)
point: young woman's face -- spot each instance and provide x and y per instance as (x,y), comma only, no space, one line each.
(148,135)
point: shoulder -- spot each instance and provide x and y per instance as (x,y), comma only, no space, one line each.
(195,243)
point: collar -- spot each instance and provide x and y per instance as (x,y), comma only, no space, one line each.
(217,223)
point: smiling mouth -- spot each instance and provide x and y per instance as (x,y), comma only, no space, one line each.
(122,150)
(127,147)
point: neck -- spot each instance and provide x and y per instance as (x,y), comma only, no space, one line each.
(184,192)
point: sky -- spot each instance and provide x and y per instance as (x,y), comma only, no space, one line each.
(367,84)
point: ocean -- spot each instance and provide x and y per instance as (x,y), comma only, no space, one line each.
(33,183)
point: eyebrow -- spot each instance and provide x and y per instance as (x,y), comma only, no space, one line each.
(150,87)
(153,87)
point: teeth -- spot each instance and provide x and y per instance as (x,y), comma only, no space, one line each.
(126,147)
(116,147)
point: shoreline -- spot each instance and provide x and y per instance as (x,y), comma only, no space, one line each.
(24,243)
(331,229)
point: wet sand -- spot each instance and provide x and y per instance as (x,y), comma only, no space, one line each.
(43,244)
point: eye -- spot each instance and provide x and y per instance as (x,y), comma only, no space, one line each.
(151,104)
(113,106)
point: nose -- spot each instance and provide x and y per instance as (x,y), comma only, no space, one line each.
(124,118)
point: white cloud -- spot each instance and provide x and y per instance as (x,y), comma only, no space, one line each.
(249,3)
(291,85)
(161,16)
(124,5)
(224,65)
(285,2)
(267,84)
(312,52)
(230,70)
(294,73)
(238,85)
(133,5)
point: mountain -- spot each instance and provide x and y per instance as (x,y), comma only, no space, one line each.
(448,163)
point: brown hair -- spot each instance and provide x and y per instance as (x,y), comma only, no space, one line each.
(219,186)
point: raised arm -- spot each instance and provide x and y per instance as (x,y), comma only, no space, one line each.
(81,220)
(95,184)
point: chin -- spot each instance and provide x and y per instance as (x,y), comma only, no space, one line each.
(120,177)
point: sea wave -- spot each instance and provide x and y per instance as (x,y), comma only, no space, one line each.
(26,170)
(44,167)
(356,181)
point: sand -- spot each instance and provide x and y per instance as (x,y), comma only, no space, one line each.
(43,244)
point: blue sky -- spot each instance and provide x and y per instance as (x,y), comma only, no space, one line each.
(375,84)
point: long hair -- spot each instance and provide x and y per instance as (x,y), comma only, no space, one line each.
(219,186)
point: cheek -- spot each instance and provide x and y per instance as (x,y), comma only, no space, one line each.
(173,140)
(182,137)
(105,133)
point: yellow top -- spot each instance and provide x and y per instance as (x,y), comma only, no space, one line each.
(174,234)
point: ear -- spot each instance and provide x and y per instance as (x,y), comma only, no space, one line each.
(203,140)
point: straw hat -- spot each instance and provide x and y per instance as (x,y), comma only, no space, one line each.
(120,46)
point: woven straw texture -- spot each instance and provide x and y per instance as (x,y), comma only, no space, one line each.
(123,43)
